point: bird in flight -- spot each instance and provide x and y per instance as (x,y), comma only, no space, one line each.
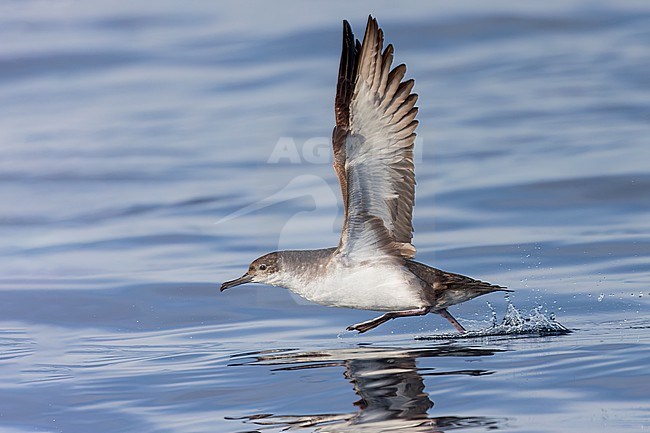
(372,268)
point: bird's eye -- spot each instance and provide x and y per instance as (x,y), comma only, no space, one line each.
(262,268)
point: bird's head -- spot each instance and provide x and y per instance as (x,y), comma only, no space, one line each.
(262,270)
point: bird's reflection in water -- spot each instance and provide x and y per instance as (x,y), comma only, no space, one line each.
(388,382)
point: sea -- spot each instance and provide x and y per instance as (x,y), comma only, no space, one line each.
(151,150)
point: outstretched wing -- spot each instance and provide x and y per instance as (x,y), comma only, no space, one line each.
(373,147)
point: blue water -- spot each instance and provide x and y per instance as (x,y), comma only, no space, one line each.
(150,150)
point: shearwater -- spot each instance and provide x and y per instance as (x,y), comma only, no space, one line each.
(372,268)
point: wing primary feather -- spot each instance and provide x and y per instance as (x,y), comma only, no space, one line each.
(386,60)
(348,68)
(404,119)
(394,79)
(407,110)
(347,75)
(403,92)
(406,131)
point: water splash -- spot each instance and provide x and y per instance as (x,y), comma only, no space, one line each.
(515,322)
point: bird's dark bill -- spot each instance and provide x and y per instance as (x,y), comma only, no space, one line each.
(241,280)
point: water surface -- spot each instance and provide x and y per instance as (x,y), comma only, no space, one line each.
(150,151)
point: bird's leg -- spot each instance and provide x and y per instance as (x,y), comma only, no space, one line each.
(444,313)
(371,324)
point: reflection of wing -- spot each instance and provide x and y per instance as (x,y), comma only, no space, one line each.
(373,147)
(390,388)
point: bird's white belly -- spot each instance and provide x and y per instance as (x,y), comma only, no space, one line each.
(372,287)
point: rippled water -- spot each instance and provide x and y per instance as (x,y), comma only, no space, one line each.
(149,151)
